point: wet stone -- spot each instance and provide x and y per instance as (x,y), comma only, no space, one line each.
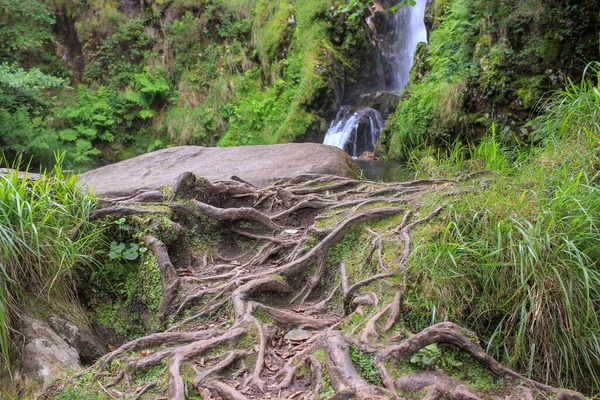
(297,335)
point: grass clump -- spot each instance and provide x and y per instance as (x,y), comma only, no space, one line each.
(37,254)
(519,261)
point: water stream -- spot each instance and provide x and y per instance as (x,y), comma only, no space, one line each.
(356,129)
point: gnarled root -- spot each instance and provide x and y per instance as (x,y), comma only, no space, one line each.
(268,310)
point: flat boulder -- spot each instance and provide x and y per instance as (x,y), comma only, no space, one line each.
(257,165)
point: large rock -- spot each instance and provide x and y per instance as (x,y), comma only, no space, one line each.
(30,175)
(45,357)
(257,165)
(89,347)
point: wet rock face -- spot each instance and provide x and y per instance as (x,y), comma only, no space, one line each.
(257,165)
(384,102)
(44,358)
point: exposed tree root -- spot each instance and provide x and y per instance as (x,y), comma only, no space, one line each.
(448,332)
(344,377)
(273,317)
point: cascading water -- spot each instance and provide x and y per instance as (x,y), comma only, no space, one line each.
(409,31)
(347,131)
(355,130)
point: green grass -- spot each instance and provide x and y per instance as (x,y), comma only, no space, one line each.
(519,262)
(37,254)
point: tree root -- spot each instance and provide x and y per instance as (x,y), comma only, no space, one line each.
(169,277)
(450,333)
(344,378)
(271,272)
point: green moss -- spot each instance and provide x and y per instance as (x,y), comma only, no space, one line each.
(365,365)
(128,296)
(262,316)
(530,91)
(79,394)
(327,389)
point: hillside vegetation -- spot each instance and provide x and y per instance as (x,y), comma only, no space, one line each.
(106,80)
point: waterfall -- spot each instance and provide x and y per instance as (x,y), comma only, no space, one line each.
(409,31)
(357,129)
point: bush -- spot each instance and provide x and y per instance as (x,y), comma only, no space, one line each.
(20,133)
(22,88)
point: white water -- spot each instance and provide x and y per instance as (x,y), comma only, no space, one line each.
(347,132)
(344,131)
(410,31)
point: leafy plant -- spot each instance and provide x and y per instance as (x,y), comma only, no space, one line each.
(356,8)
(31,137)
(149,89)
(432,356)
(26,88)
(122,251)
(25,25)
(427,356)
(365,365)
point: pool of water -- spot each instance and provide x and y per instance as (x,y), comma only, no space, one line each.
(385,171)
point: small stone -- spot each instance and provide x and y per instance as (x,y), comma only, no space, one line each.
(297,335)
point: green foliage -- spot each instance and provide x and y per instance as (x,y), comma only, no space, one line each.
(30,136)
(122,251)
(150,88)
(26,88)
(124,287)
(431,110)
(92,119)
(37,253)
(25,26)
(518,262)
(473,73)
(427,356)
(79,394)
(432,356)
(119,57)
(355,8)
(365,365)
(574,110)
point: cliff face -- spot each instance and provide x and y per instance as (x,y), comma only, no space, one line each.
(490,61)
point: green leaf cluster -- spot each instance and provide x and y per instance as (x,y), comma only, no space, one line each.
(122,251)
(25,26)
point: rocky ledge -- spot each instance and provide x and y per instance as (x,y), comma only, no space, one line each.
(257,165)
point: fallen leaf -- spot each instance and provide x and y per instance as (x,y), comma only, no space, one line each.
(273,368)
